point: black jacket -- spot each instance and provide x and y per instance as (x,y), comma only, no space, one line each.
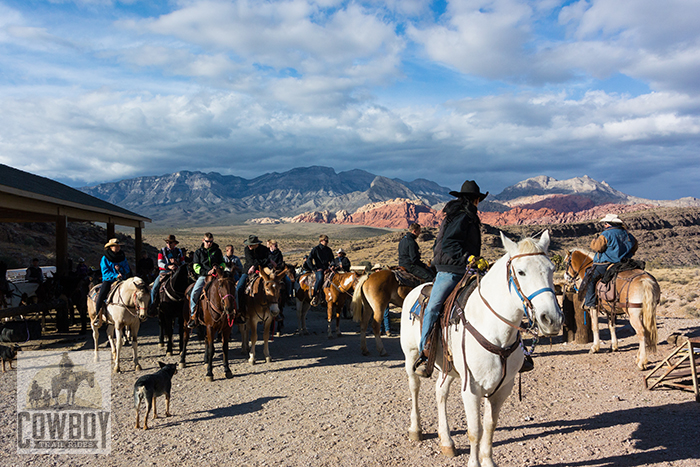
(342,263)
(207,258)
(259,257)
(409,252)
(277,257)
(459,237)
(321,257)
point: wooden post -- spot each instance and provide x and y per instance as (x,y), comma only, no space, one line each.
(138,245)
(577,323)
(61,244)
(111,232)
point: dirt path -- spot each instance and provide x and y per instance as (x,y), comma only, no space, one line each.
(321,403)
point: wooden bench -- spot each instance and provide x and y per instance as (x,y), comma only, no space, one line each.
(679,370)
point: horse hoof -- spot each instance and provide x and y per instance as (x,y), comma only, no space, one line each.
(339,334)
(268,359)
(138,367)
(228,374)
(305,332)
(383,353)
(168,354)
(161,345)
(252,362)
(181,365)
(117,370)
(277,334)
(209,379)
(415,435)
(365,352)
(593,350)
(448,451)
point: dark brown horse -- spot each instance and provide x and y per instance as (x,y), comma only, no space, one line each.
(172,298)
(373,294)
(340,288)
(303,294)
(215,310)
(261,306)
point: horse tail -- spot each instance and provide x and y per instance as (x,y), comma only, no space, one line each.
(357,299)
(651,297)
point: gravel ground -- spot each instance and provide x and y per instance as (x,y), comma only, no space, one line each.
(321,403)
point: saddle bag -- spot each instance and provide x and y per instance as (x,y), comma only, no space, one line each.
(606,291)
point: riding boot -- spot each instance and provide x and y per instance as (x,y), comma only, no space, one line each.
(420,366)
(192,323)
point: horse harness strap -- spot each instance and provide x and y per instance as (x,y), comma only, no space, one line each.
(626,305)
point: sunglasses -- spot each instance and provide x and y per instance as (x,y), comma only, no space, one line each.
(208,241)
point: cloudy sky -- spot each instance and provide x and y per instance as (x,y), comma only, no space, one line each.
(492,90)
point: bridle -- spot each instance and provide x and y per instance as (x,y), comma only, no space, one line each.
(572,278)
(220,311)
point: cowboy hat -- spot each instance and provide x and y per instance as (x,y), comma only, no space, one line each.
(340,251)
(112,242)
(470,188)
(611,219)
(252,240)
(171,239)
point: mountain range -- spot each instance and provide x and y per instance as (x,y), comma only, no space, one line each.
(319,194)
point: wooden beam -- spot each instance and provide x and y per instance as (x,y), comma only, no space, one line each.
(138,245)
(110,231)
(61,244)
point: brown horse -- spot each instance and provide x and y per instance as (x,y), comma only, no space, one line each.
(339,289)
(373,294)
(216,309)
(261,305)
(303,295)
(637,295)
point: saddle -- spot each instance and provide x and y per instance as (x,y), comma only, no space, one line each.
(252,285)
(609,297)
(405,278)
(626,264)
(96,291)
(451,313)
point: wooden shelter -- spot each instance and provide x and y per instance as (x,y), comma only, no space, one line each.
(25,197)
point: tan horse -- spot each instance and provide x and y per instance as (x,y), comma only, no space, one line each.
(637,295)
(338,291)
(126,308)
(261,306)
(373,293)
(303,295)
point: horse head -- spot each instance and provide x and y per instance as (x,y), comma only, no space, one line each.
(576,262)
(141,297)
(227,295)
(530,276)
(271,289)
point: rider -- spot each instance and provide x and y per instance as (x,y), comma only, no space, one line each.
(341,262)
(256,257)
(114,267)
(277,258)
(233,263)
(612,245)
(34,273)
(409,254)
(169,259)
(205,258)
(459,238)
(321,257)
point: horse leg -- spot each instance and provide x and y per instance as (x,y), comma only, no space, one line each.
(304,309)
(613,335)
(415,432)
(329,306)
(300,316)
(636,321)
(95,337)
(472,407)
(134,344)
(595,348)
(209,354)
(338,308)
(226,330)
(442,391)
(492,408)
(378,306)
(243,330)
(364,322)
(266,336)
(161,325)
(118,333)
(253,339)
(185,337)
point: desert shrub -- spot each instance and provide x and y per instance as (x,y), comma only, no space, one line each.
(692,311)
(663,302)
(692,296)
(558,261)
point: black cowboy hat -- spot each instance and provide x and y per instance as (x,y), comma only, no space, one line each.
(471,189)
(252,240)
(171,238)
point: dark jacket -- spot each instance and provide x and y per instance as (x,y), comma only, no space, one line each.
(409,252)
(277,257)
(342,263)
(205,259)
(459,237)
(259,257)
(321,257)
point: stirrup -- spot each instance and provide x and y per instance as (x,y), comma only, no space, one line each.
(528,365)
(422,359)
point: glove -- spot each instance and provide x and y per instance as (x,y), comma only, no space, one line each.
(480,263)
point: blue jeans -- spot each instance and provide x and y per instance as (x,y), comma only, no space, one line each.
(196,292)
(240,286)
(154,289)
(319,283)
(596,273)
(288,285)
(444,283)
(385,322)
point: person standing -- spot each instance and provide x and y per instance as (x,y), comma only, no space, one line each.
(459,238)
(321,257)
(409,255)
(207,256)
(114,267)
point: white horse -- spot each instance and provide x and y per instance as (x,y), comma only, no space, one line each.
(126,308)
(521,279)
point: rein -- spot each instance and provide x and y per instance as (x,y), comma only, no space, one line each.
(211,304)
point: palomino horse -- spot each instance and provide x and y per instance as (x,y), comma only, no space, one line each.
(216,309)
(127,308)
(70,383)
(261,305)
(338,291)
(303,296)
(485,342)
(638,294)
(373,293)
(172,299)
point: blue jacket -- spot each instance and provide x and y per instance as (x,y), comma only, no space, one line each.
(109,273)
(620,245)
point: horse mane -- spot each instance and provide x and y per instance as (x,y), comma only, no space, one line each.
(529,245)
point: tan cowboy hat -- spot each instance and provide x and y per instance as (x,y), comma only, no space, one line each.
(171,239)
(377,266)
(611,219)
(112,242)
(252,240)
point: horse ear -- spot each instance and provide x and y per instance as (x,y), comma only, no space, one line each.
(161,364)
(510,246)
(265,272)
(544,241)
